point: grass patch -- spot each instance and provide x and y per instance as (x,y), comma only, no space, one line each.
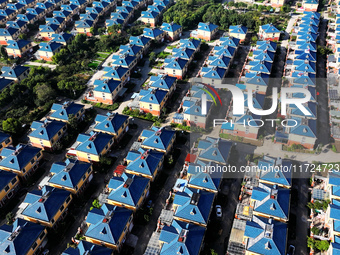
(112,107)
(93,64)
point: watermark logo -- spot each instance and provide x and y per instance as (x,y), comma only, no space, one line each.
(204,98)
(238,100)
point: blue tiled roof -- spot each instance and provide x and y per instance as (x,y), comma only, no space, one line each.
(18,24)
(263,55)
(195,108)
(122,60)
(239,29)
(270,28)
(263,242)
(229,41)
(276,207)
(152,33)
(201,179)
(258,100)
(146,163)
(130,49)
(5,178)
(63,111)
(334,212)
(227,51)
(127,189)
(310,106)
(196,92)
(106,86)
(68,173)
(61,38)
(110,123)
(50,46)
(158,139)
(18,157)
(84,247)
(155,8)
(307,46)
(4,83)
(266,45)
(3,137)
(334,178)
(214,72)
(139,40)
(54,21)
(304,129)
(22,243)
(208,27)
(194,205)
(189,246)
(13,72)
(308,28)
(190,43)
(308,36)
(170,27)
(111,229)
(47,130)
(45,203)
(175,63)
(162,82)
(304,78)
(17,44)
(213,149)
(117,72)
(93,144)
(302,55)
(275,174)
(184,53)
(155,96)
(149,14)
(83,23)
(219,61)
(260,66)
(260,79)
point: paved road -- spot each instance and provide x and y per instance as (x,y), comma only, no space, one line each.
(99,186)
(52,67)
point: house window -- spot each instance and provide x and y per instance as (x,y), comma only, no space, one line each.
(68,199)
(52,221)
(62,208)
(38,155)
(103,96)
(7,141)
(32,161)
(64,128)
(150,106)
(247,130)
(42,235)
(6,188)
(84,177)
(13,181)
(59,133)
(173,71)
(88,156)
(34,246)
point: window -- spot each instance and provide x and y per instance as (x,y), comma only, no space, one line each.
(64,128)
(42,235)
(8,141)
(6,188)
(38,155)
(59,133)
(34,246)
(62,208)
(150,106)
(68,199)
(52,221)
(14,181)
(247,130)
(84,177)
(32,161)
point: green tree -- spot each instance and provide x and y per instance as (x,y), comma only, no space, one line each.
(3,52)
(11,125)
(44,93)
(114,28)
(322,245)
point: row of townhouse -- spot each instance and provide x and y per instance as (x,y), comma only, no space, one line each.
(109,225)
(15,28)
(254,78)
(116,76)
(92,14)
(123,14)
(191,200)
(325,189)
(10,11)
(11,75)
(48,205)
(300,72)
(213,72)
(48,49)
(333,68)
(154,12)
(261,217)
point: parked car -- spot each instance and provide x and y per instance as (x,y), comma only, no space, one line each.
(218,211)
(291,250)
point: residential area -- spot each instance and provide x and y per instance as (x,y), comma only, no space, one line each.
(169,127)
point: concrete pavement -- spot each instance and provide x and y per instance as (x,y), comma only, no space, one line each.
(52,67)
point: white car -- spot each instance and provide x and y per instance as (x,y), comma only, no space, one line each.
(218,211)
